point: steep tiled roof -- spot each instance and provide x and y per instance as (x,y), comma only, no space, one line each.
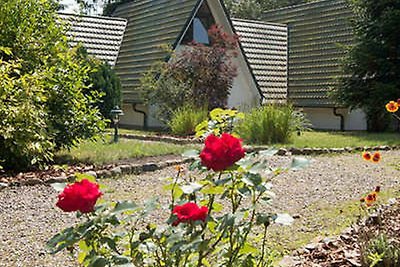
(315,31)
(101,36)
(265,46)
(151,23)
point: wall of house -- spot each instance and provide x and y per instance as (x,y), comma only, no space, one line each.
(244,92)
(324,119)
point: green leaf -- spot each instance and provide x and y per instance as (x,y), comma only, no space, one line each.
(82,176)
(248,249)
(299,163)
(283,218)
(98,262)
(213,190)
(124,206)
(59,187)
(190,154)
(191,188)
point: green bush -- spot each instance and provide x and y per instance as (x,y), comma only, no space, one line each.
(185,119)
(267,125)
(45,103)
(105,81)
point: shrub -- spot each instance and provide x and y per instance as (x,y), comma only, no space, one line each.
(105,81)
(199,74)
(267,125)
(185,119)
(215,216)
(45,104)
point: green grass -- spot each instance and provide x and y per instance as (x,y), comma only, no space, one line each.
(102,152)
(342,139)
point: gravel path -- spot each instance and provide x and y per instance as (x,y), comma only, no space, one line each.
(28,216)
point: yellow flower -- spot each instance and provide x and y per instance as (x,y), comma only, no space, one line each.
(392,106)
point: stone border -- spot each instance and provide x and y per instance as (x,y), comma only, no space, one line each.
(162,138)
(126,169)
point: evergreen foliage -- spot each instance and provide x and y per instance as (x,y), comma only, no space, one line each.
(372,68)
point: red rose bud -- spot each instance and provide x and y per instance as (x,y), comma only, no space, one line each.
(80,196)
(219,153)
(189,212)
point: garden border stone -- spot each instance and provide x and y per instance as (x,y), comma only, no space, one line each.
(109,171)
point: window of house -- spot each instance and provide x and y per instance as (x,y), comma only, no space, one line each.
(198,30)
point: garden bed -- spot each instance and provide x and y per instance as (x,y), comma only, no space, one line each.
(324,199)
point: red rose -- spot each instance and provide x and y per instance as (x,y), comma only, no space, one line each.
(221,153)
(80,196)
(189,212)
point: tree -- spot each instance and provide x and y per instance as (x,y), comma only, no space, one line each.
(200,75)
(372,69)
(45,103)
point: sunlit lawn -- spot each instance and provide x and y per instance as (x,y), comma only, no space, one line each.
(343,139)
(101,152)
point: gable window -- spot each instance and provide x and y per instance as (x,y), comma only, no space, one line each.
(198,30)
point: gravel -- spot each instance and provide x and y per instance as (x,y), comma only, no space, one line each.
(28,216)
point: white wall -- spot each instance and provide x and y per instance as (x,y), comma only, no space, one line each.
(324,119)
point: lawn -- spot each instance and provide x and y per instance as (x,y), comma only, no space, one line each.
(103,151)
(342,139)
(323,138)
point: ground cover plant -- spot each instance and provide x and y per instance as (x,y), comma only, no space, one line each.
(199,230)
(101,151)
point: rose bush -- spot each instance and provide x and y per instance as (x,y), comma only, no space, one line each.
(214,220)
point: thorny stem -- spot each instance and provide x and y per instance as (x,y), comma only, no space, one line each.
(263,246)
(202,255)
(173,189)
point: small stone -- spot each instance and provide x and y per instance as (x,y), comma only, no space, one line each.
(136,169)
(59,179)
(384,148)
(295,151)
(296,216)
(104,174)
(3,185)
(172,162)
(116,171)
(32,181)
(281,152)
(307,151)
(150,167)
(312,246)
(126,169)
